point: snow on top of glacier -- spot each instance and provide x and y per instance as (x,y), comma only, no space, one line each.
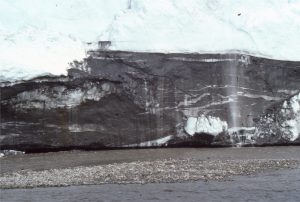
(269,27)
(43,36)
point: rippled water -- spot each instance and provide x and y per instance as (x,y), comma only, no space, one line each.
(281,185)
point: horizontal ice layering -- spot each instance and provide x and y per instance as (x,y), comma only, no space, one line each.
(44,38)
(61,96)
(210,125)
(119,99)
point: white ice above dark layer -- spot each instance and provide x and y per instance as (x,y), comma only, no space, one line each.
(40,37)
(43,36)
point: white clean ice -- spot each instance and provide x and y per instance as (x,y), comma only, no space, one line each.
(42,36)
(292,109)
(203,124)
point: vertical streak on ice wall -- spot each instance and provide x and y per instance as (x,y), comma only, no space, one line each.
(233,82)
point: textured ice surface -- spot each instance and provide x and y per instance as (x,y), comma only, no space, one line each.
(283,121)
(60,96)
(203,124)
(292,110)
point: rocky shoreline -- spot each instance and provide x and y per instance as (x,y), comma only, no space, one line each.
(141,172)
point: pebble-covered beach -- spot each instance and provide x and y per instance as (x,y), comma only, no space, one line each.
(140,172)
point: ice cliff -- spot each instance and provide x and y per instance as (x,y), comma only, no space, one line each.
(85,74)
(118,99)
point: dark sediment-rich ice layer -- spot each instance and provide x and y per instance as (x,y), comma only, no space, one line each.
(127,99)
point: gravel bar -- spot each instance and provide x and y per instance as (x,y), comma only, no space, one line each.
(141,172)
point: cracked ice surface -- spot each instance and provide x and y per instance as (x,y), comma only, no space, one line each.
(292,109)
(203,124)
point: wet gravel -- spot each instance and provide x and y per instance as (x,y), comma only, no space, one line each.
(141,172)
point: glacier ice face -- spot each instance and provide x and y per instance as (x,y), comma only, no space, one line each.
(118,99)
